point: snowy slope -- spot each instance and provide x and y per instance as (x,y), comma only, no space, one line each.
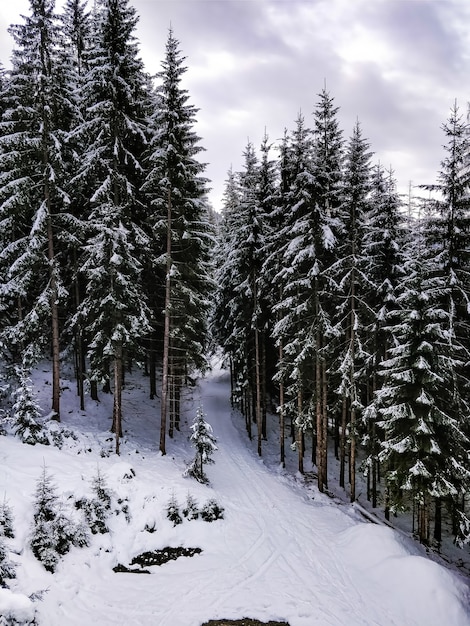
(278,554)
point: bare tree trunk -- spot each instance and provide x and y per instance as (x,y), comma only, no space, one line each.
(54,296)
(263,386)
(342,444)
(259,422)
(152,369)
(171,389)
(117,397)
(438,521)
(325,425)
(300,441)
(166,335)
(318,415)
(281,415)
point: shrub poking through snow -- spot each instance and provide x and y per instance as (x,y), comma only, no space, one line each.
(53,533)
(7,568)
(173,511)
(98,508)
(6,520)
(190,510)
(211,511)
(204,442)
(26,412)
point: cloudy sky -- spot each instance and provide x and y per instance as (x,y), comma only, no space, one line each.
(396,65)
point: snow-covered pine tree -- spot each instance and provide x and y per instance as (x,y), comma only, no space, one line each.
(7,567)
(114,311)
(204,442)
(98,508)
(352,287)
(76,29)
(32,199)
(308,240)
(6,520)
(289,332)
(275,243)
(241,311)
(26,412)
(176,190)
(384,244)
(446,236)
(222,322)
(425,450)
(52,533)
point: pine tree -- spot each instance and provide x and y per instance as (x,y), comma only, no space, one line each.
(204,442)
(309,237)
(33,203)
(384,244)
(113,311)
(98,508)
(176,189)
(6,520)
(52,533)
(76,29)
(7,567)
(425,450)
(352,290)
(26,412)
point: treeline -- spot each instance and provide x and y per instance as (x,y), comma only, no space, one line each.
(105,228)
(348,309)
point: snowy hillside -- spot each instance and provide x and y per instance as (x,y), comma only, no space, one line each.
(278,554)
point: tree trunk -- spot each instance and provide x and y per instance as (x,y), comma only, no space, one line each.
(117,397)
(281,415)
(325,425)
(53,300)
(259,422)
(438,521)
(166,335)
(300,441)
(342,444)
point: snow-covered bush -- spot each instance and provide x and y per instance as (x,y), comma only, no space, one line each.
(98,508)
(16,609)
(53,533)
(204,442)
(26,412)
(173,511)
(6,520)
(7,567)
(212,511)
(190,510)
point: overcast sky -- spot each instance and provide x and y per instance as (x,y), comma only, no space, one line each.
(396,65)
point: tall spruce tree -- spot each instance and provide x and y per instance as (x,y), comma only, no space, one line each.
(114,312)
(425,450)
(352,286)
(384,244)
(176,190)
(33,203)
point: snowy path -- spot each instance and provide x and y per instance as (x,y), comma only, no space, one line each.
(277,555)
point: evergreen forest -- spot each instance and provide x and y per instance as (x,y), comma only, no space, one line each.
(341,307)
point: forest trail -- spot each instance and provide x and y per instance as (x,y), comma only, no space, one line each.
(277,555)
(288,541)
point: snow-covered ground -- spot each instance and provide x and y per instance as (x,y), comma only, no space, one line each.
(278,554)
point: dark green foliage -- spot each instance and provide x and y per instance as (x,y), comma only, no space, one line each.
(7,568)
(26,412)
(6,520)
(173,511)
(190,510)
(98,508)
(204,442)
(212,511)
(53,533)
